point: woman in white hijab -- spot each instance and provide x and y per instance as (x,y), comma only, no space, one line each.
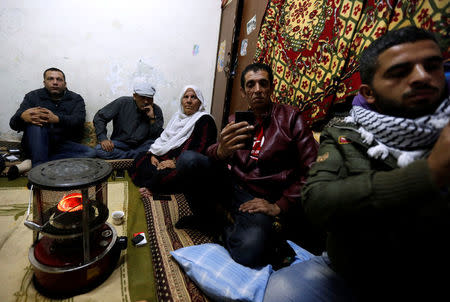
(190,128)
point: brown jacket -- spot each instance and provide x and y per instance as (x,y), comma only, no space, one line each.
(288,151)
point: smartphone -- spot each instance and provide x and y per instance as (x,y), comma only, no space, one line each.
(136,239)
(247,116)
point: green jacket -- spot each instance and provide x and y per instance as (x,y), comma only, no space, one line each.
(381,220)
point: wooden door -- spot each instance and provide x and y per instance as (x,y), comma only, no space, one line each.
(252,15)
(226,54)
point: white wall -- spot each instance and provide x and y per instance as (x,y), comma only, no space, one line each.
(103,46)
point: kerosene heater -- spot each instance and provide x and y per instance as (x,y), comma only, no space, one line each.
(74,248)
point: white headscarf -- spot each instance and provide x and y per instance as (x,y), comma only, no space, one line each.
(180,126)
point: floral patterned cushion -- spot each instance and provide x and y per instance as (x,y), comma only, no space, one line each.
(89,137)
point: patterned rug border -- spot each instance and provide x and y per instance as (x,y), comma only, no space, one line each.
(171,282)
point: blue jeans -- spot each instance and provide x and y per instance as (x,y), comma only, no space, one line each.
(311,280)
(43,146)
(250,240)
(208,185)
(123,150)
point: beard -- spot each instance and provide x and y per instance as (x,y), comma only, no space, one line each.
(391,107)
(56,94)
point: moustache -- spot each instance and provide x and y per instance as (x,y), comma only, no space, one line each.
(418,90)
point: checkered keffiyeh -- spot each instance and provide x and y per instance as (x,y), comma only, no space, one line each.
(406,139)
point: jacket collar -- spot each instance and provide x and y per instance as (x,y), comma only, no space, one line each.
(265,118)
(43,93)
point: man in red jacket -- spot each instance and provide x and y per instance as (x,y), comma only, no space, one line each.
(266,177)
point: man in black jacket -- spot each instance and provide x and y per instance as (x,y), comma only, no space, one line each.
(52,119)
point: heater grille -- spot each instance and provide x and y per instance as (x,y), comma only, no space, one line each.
(70,173)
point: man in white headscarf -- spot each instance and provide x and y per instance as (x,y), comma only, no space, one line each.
(137,123)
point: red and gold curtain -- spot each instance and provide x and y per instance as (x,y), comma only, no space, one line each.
(313,46)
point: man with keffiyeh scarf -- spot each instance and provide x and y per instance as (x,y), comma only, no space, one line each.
(380,186)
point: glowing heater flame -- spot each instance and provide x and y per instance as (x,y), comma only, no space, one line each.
(71,203)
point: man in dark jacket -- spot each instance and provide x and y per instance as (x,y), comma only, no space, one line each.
(137,122)
(380,185)
(267,176)
(52,119)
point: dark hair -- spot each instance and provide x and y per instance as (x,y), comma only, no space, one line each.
(369,57)
(255,67)
(55,69)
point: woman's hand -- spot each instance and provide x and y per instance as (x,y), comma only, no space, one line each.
(166,164)
(154,161)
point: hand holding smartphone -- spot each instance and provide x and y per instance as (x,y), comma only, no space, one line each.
(249,117)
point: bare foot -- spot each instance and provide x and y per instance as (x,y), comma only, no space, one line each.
(145,193)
